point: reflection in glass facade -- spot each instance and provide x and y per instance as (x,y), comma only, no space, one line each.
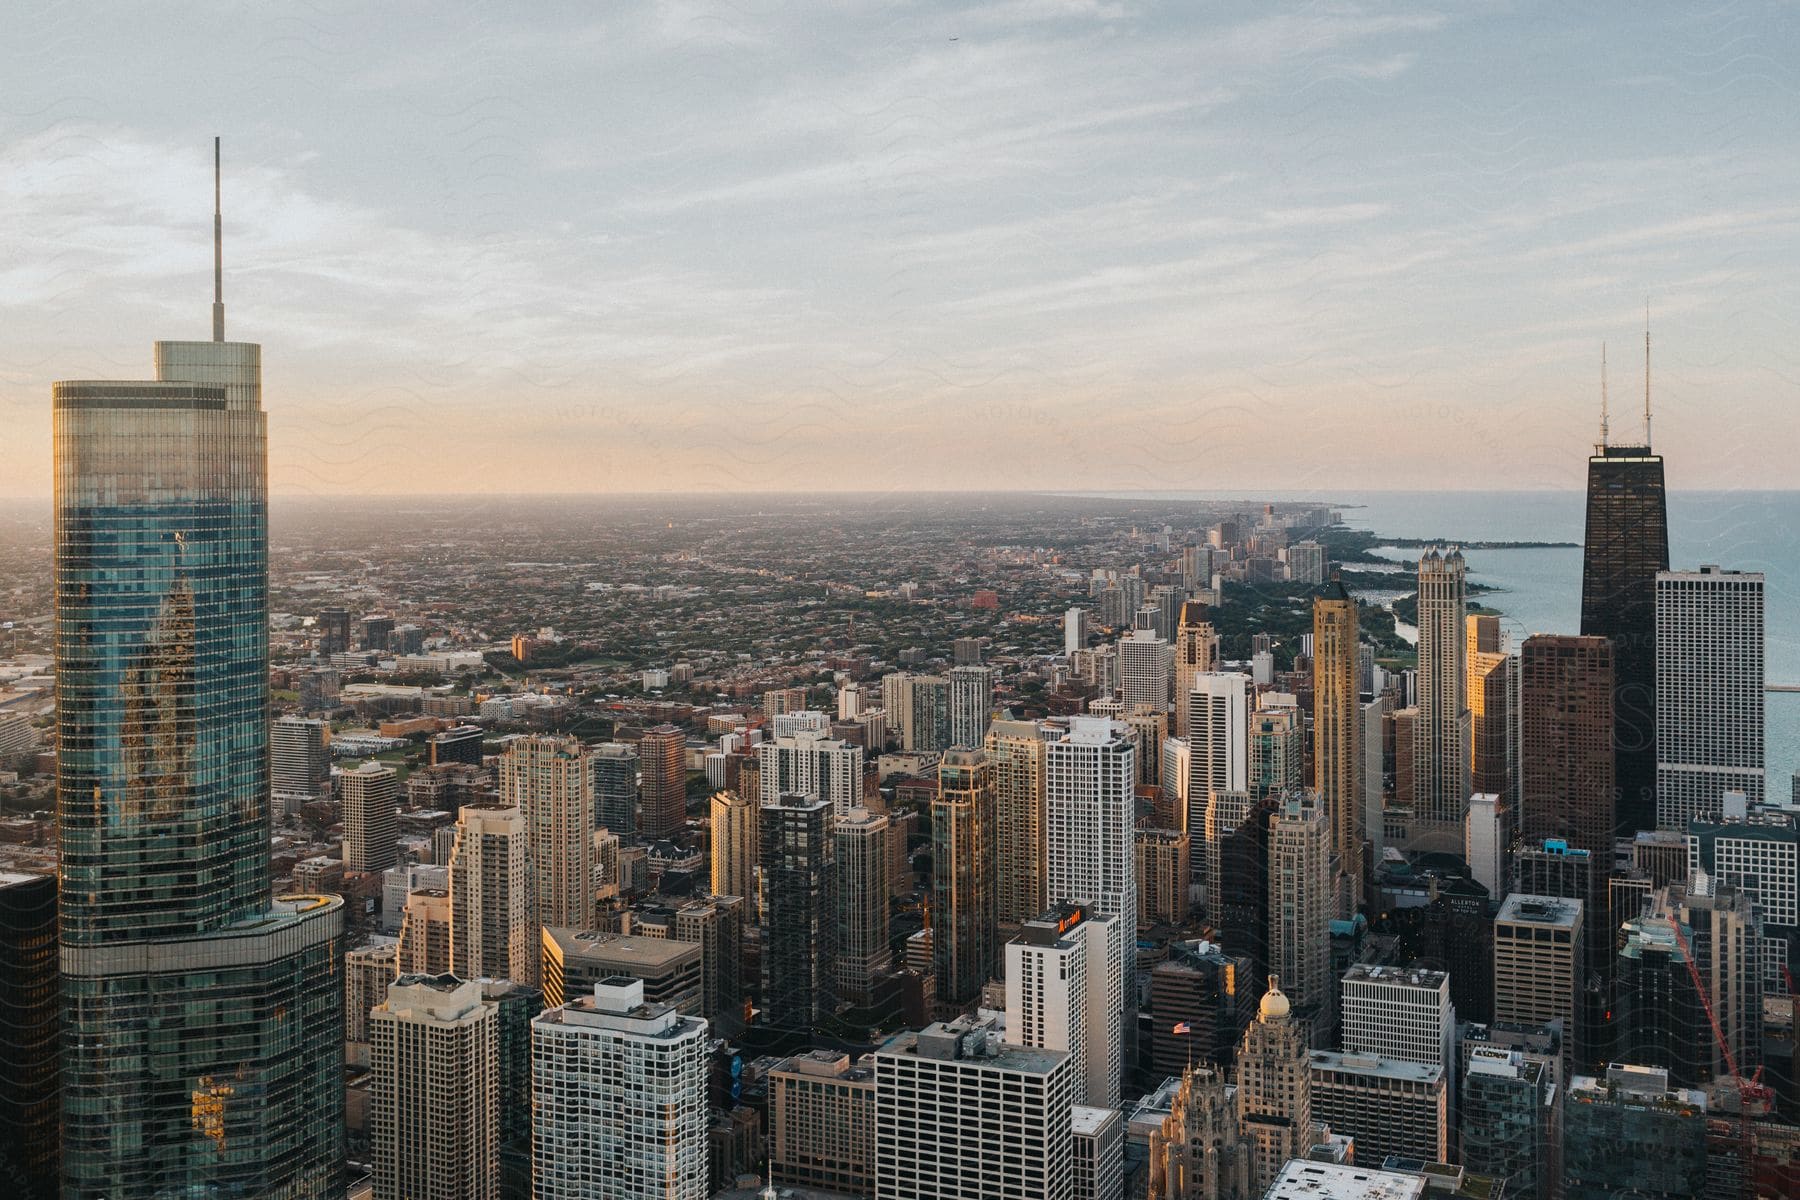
(202,1021)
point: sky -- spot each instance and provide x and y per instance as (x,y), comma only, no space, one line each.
(1025,244)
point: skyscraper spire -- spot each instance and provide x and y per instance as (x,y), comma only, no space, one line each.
(1646,373)
(1603,412)
(218,254)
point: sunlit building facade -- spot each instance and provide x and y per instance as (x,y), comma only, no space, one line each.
(203,1023)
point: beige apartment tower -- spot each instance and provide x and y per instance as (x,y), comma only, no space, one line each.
(862,861)
(491,932)
(1302,899)
(370,799)
(1017,751)
(1440,760)
(662,759)
(822,1123)
(1537,961)
(1196,653)
(425,933)
(1163,857)
(1491,688)
(434,1096)
(551,781)
(368,972)
(1337,735)
(736,836)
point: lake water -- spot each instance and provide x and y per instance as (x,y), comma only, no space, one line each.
(1539,591)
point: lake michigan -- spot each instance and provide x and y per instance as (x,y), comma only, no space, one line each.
(1539,591)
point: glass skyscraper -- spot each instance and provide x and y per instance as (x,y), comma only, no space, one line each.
(1627,543)
(203,1020)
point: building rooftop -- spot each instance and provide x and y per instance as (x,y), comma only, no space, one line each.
(442,997)
(1519,908)
(1086,1121)
(975,1042)
(1412,976)
(1096,731)
(828,1064)
(1377,1067)
(1304,1180)
(646,952)
(617,1004)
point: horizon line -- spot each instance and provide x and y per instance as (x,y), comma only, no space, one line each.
(1171,495)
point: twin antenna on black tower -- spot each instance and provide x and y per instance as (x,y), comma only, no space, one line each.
(1605,416)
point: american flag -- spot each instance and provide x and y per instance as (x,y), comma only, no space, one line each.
(1183,1027)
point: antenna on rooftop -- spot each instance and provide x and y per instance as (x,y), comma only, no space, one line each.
(1603,412)
(218,311)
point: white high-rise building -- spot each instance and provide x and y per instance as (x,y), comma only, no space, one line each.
(1098,1136)
(971,705)
(1063,993)
(896,702)
(961,1115)
(1074,630)
(849,702)
(809,763)
(1709,692)
(1484,842)
(618,1098)
(1399,1013)
(434,1092)
(299,761)
(796,721)
(1758,851)
(1176,766)
(1145,662)
(1218,736)
(1090,810)
(491,932)
(1306,562)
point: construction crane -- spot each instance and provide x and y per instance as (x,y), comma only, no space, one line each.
(1754,1097)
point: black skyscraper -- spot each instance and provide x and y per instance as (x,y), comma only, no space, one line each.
(30,1026)
(800,898)
(1627,544)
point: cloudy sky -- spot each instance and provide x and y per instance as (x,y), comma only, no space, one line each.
(1019,244)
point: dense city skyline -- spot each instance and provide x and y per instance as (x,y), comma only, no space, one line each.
(728,250)
(1017,756)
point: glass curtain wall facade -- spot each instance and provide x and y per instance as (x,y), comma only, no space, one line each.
(202,1019)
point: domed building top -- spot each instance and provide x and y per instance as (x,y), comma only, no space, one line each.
(1275,1006)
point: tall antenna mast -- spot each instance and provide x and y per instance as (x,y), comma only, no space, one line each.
(1646,373)
(1603,411)
(218,254)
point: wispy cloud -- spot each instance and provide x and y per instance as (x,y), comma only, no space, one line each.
(1037,242)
